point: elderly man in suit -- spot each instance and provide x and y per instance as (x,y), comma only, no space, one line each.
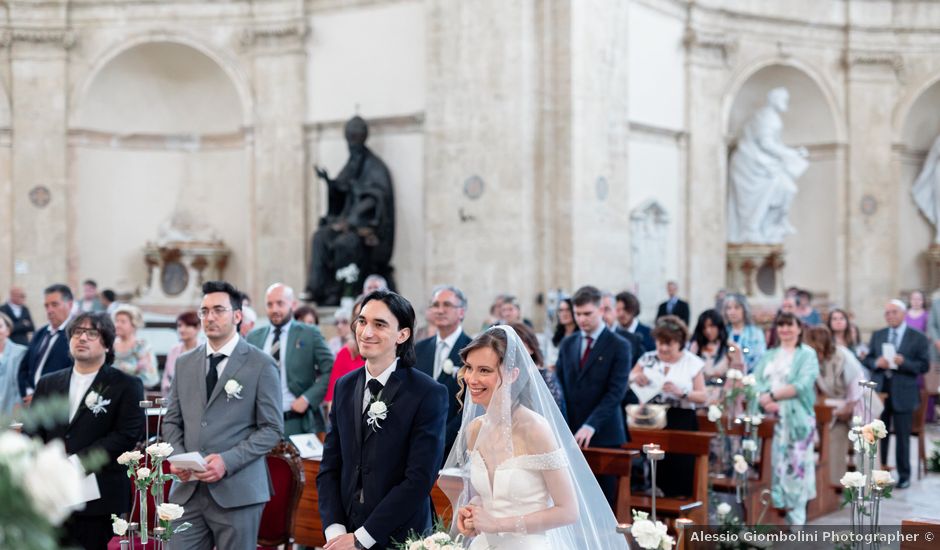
(303,358)
(49,349)
(593,368)
(17,311)
(439,356)
(225,403)
(898,378)
(103,416)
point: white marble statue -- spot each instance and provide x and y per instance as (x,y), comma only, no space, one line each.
(926,188)
(761,182)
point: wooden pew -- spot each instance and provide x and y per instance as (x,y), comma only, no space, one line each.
(760,474)
(921,526)
(827,499)
(614,462)
(679,442)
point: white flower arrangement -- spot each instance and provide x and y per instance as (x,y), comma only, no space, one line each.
(649,535)
(853,480)
(449,368)
(734,374)
(143,473)
(757,419)
(882,478)
(740,464)
(52,481)
(169,511)
(130,457)
(348,274)
(159,450)
(378,411)
(96,403)
(748,380)
(723,509)
(437,541)
(118,525)
(233,389)
(714,413)
(749,445)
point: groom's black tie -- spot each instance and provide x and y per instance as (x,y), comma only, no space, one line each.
(374,388)
(213,375)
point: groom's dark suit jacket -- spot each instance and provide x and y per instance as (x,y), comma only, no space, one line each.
(380,479)
(114,431)
(593,395)
(425,350)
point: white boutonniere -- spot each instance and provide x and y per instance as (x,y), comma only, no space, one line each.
(233,389)
(96,404)
(449,368)
(378,410)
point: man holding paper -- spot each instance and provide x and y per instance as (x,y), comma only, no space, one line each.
(898,354)
(225,405)
(103,416)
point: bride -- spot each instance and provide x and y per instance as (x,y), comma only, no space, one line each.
(524,483)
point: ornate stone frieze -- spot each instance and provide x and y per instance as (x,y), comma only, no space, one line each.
(63,38)
(716,46)
(281,34)
(874,59)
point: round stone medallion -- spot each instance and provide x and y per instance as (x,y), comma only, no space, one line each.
(473,187)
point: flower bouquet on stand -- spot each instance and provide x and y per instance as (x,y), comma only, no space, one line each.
(148,478)
(648,534)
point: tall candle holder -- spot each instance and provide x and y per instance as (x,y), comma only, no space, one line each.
(681,525)
(654,454)
(132,528)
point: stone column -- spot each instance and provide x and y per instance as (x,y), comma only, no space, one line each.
(871,92)
(276,51)
(39,41)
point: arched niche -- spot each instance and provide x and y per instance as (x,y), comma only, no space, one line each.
(919,128)
(809,122)
(158,134)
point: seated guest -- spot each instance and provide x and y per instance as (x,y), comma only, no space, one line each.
(187,328)
(531,343)
(11,355)
(839,375)
(710,344)
(564,327)
(683,388)
(747,344)
(133,355)
(307,314)
(628,313)
(112,425)
(347,360)
(785,379)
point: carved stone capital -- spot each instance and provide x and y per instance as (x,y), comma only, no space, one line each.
(715,45)
(874,59)
(62,38)
(287,33)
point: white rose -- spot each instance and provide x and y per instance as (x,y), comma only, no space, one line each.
(161,450)
(749,445)
(169,511)
(649,535)
(91,399)
(639,515)
(723,509)
(666,543)
(748,380)
(143,473)
(51,481)
(378,408)
(757,419)
(118,525)
(734,374)
(416,545)
(852,479)
(232,386)
(882,478)
(740,466)
(856,420)
(853,435)
(879,429)
(714,413)
(448,367)
(129,457)
(16,450)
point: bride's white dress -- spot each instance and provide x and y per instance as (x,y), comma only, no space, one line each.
(518,488)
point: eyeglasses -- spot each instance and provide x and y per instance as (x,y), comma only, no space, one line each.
(445,305)
(91,333)
(216,311)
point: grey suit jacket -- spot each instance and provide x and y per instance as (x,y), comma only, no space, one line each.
(242,430)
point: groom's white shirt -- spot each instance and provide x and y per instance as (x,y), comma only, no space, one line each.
(337,529)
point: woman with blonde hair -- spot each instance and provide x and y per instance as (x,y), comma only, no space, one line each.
(132,354)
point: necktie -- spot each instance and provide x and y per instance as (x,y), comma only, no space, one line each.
(276,345)
(893,338)
(439,358)
(42,352)
(374,388)
(587,351)
(213,375)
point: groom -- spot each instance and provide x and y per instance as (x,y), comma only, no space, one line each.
(380,460)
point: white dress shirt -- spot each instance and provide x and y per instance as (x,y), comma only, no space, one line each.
(53,337)
(78,387)
(338,529)
(226,350)
(443,348)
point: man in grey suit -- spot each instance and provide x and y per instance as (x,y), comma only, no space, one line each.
(225,403)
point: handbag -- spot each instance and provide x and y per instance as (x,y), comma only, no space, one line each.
(646,417)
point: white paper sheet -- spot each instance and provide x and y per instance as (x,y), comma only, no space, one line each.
(888,352)
(308,445)
(188,461)
(89,490)
(651,390)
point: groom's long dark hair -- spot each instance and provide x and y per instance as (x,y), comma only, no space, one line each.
(402,310)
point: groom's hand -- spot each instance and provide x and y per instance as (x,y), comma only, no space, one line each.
(583,436)
(215,469)
(342,542)
(181,473)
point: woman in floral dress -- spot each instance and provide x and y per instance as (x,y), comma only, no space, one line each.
(786,377)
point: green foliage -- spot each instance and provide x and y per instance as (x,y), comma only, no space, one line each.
(933,463)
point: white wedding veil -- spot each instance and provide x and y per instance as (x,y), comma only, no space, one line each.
(595,526)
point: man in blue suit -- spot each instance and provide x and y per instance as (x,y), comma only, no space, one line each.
(439,355)
(898,378)
(593,367)
(49,349)
(382,456)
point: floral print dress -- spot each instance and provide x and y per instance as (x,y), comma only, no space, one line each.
(793,451)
